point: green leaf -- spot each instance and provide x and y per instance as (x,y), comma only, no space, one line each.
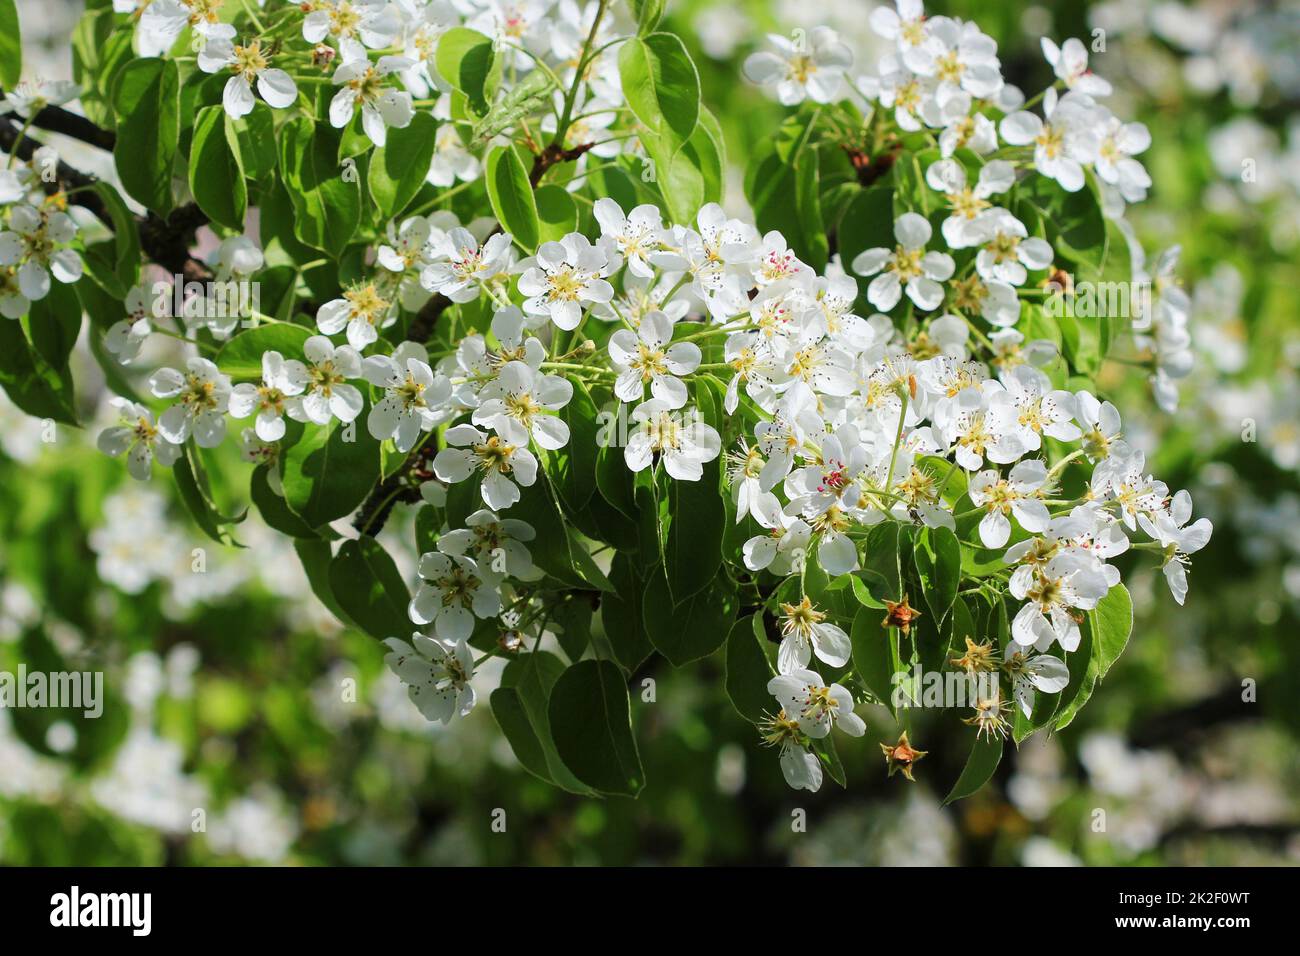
(98,51)
(11,46)
(272,508)
(256,134)
(1073,222)
(693,549)
(571,622)
(983,760)
(217,170)
(316,557)
(867,223)
(694,628)
(875,654)
(748,669)
(863,593)
(326,196)
(370,590)
(398,168)
(511,716)
(464,59)
(53,324)
(1112,623)
(949,477)
(690,176)
(824,748)
(557,213)
(126,238)
(590,719)
(647,14)
(782,185)
(241,356)
(555,549)
(880,559)
(146,99)
(662,87)
(1104,634)
(621,614)
(329,470)
(938,564)
(192,483)
(30,382)
(512,196)
(573,467)
(521,706)
(615,481)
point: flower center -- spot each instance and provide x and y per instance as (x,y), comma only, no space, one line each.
(199,393)
(366,302)
(906,263)
(565,284)
(950,67)
(495,455)
(801,618)
(249,61)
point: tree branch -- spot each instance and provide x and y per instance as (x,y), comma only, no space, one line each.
(66,178)
(164,241)
(55,119)
(553,155)
(1184,727)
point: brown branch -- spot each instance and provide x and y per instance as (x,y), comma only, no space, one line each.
(553,155)
(55,119)
(167,242)
(164,241)
(401,486)
(1186,726)
(870,169)
(421,328)
(66,178)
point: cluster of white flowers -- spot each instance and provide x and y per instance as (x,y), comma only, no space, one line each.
(546,35)
(34,245)
(853,410)
(851,407)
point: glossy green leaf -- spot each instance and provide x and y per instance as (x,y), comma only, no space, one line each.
(937,557)
(512,196)
(370,590)
(875,653)
(192,483)
(11,46)
(465,59)
(662,87)
(325,194)
(521,706)
(590,719)
(273,509)
(329,470)
(398,168)
(695,627)
(216,169)
(32,383)
(621,614)
(146,99)
(557,213)
(985,755)
(749,669)
(241,356)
